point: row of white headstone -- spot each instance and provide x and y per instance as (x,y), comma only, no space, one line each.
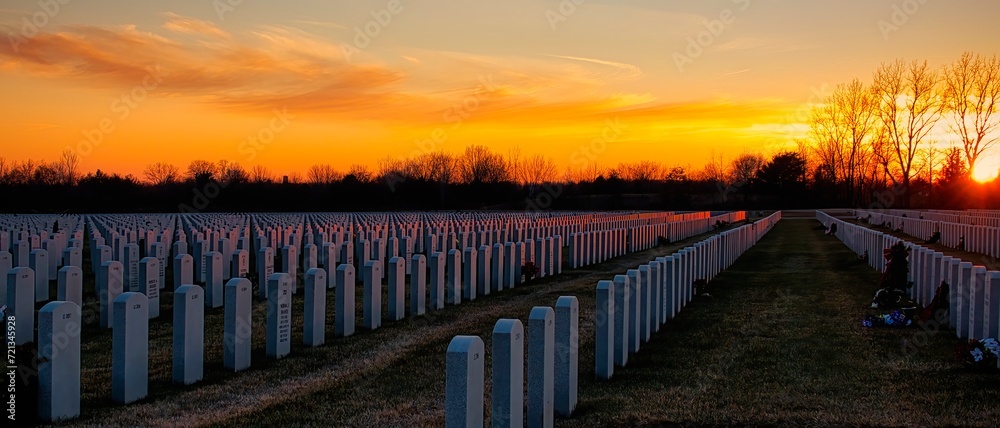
(130,319)
(974,291)
(977,238)
(126,306)
(989,218)
(629,310)
(633,306)
(552,368)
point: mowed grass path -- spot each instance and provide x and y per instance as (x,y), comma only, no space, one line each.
(779,343)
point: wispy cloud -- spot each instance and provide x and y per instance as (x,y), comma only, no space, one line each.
(188,25)
(628,71)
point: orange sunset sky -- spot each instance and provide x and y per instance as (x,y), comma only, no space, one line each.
(179,80)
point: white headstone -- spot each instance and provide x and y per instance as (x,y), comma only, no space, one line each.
(634,310)
(454,286)
(623,319)
(69,286)
(59,327)
(109,283)
(418,285)
(289,265)
(131,268)
(469,260)
(314,324)
(497,268)
(241,264)
(396,272)
(437,280)
(130,348)
(992,304)
(279,315)
(265,268)
(38,261)
(372,302)
(183,270)
(237,327)
(508,373)
(149,284)
(604,320)
(567,344)
(465,376)
(214,282)
(541,366)
(189,334)
(344,312)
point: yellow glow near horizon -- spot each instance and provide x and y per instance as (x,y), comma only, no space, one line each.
(986,171)
(128,84)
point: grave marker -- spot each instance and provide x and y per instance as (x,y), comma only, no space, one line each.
(189,334)
(396,270)
(508,373)
(567,343)
(344,311)
(59,327)
(604,320)
(418,285)
(237,326)
(69,286)
(279,315)
(372,310)
(541,362)
(314,324)
(465,375)
(149,284)
(130,348)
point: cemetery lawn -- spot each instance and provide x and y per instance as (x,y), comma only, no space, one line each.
(780,342)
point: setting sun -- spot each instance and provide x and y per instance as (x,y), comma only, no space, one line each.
(986,172)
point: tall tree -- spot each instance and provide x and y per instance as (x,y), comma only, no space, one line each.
(955,169)
(745,166)
(201,171)
(69,167)
(480,165)
(323,174)
(161,173)
(260,174)
(971,92)
(908,108)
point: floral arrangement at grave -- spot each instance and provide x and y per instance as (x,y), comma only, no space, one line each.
(894,282)
(978,353)
(529,270)
(897,318)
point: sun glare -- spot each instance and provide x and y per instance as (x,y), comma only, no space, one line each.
(985,173)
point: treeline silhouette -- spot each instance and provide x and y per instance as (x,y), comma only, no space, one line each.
(479,178)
